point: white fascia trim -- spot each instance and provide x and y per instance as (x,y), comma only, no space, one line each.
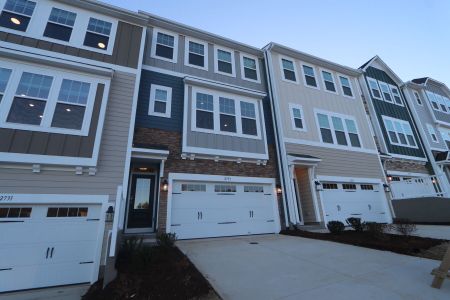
(217,152)
(330,146)
(216,61)
(407,174)
(186,53)
(47,159)
(52,198)
(258,73)
(175,44)
(293,159)
(252,93)
(350,179)
(150,151)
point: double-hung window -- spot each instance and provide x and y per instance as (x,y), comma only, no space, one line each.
(160,101)
(396,95)
(418,99)
(60,24)
(328,81)
(288,70)
(16,14)
(346,86)
(374,88)
(385,91)
(325,129)
(5,74)
(338,129)
(248,118)
(250,68)
(204,111)
(224,62)
(297,117)
(196,54)
(442,103)
(433,100)
(227,115)
(309,76)
(352,131)
(165,45)
(98,34)
(400,132)
(432,133)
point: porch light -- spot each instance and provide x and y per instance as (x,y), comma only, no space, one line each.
(387,188)
(278,188)
(109,214)
(165,185)
(318,185)
(15,21)
(433,181)
(389,178)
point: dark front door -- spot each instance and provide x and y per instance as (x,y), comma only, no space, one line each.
(141,201)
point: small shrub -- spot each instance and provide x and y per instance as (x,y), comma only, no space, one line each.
(335,227)
(166,240)
(128,250)
(405,227)
(375,229)
(355,223)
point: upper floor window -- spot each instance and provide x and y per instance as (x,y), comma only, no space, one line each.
(432,133)
(196,54)
(224,62)
(374,88)
(399,132)
(164,45)
(433,100)
(346,86)
(160,101)
(442,102)
(418,100)
(16,14)
(297,117)
(385,91)
(60,24)
(396,94)
(288,69)
(97,34)
(325,129)
(227,114)
(5,74)
(328,81)
(248,118)
(337,129)
(204,111)
(309,76)
(250,68)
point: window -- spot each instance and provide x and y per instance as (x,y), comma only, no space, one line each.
(227,115)
(196,54)
(396,94)
(385,91)
(325,129)
(71,105)
(297,117)
(433,100)
(328,81)
(97,34)
(5,74)
(432,133)
(17,14)
(418,100)
(330,186)
(346,86)
(353,133)
(248,118)
(441,101)
(224,188)
(366,187)
(374,88)
(224,62)
(160,103)
(15,212)
(288,70)
(250,68)
(253,189)
(400,132)
(349,186)
(190,187)
(310,76)
(338,129)
(60,24)
(205,111)
(67,212)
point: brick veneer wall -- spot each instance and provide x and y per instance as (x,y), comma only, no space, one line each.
(175,164)
(403,166)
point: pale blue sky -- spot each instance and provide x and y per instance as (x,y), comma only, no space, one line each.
(411,36)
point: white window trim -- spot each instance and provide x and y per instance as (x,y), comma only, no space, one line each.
(401,122)
(370,79)
(216,61)
(330,114)
(282,69)
(175,45)
(151,107)
(432,132)
(258,74)
(417,95)
(291,111)
(431,101)
(399,94)
(442,101)
(317,87)
(186,53)
(40,17)
(382,83)
(216,113)
(52,100)
(341,86)
(323,81)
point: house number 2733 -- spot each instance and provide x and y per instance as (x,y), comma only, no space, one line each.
(6,198)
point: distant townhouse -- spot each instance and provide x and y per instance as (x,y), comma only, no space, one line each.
(402,151)
(68,80)
(203,157)
(330,164)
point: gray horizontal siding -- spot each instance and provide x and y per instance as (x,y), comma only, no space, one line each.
(340,162)
(440,116)
(111,163)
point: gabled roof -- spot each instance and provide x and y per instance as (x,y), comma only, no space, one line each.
(420,80)
(377,59)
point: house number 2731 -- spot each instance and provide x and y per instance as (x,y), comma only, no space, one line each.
(6,198)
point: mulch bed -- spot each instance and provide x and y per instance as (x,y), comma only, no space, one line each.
(154,273)
(412,245)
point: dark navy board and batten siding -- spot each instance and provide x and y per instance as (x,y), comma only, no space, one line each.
(384,108)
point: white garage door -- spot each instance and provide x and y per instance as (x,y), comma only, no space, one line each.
(47,245)
(205,209)
(345,200)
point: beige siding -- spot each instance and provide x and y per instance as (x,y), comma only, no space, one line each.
(112,154)
(306,198)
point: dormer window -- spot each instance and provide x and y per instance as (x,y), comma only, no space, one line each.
(17,14)
(98,34)
(60,24)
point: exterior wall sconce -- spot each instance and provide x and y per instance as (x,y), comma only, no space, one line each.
(387,188)
(389,178)
(278,189)
(319,186)
(109,214)
(165,185)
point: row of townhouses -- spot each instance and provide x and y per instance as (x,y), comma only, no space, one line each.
(116,124)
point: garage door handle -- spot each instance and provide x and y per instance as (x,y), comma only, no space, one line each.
(6,269)
(48,249)
(223,223)
(51,253)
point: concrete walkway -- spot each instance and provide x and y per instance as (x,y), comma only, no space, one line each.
(73,292)
(284,267)
(433,231)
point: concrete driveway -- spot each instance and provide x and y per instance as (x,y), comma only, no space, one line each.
(284,267)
